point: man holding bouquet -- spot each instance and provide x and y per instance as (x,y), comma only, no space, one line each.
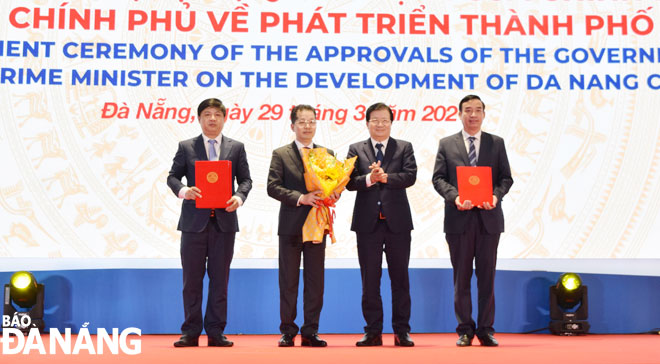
(286,183)
(385,167)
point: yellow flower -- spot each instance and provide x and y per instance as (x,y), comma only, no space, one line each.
(329,171)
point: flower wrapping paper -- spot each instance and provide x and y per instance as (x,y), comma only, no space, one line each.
(326,173)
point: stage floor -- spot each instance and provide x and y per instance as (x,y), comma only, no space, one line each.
(429,348)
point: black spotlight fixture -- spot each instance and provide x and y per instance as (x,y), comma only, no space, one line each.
(569,308)
(24,292)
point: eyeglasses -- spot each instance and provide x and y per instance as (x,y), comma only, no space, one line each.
(303,123)
(380,121)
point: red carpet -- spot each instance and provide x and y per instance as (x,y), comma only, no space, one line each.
(430,348)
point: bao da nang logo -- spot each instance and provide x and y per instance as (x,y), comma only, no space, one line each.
(19,338)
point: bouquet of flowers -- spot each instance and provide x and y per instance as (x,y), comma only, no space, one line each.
(325,173)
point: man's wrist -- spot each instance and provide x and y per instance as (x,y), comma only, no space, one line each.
(369,182)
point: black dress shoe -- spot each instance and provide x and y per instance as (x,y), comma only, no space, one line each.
(313,340)
(487,340)
(464,340)
(219,340)
(370,340)
(286,340)
(186,341)
(403,340)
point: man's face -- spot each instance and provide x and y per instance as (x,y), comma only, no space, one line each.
(379,124)
(212,120)
(305,126)
(472,115)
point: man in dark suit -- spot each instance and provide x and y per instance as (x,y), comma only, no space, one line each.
(473,232)
(207,235)
(286,184)
(385,167)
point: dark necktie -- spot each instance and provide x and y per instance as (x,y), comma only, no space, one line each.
(472,154)
(379,154)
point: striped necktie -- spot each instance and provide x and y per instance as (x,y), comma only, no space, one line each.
(472,154)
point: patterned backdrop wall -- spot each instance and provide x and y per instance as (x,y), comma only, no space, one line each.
(95,95)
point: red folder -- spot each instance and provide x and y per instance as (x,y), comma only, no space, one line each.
(475,184)
(214,179)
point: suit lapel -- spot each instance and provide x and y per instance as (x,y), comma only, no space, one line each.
(225,148)
(460,145)
(369,151)
(295,157)
(486,145)
(200,151)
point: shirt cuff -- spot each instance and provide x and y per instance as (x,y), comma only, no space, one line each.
(183,191)
(368,179)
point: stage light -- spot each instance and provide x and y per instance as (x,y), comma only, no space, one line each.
(24,291)
(570,281)
(569,308)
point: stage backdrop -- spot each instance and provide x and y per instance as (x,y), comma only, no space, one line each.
(95,95)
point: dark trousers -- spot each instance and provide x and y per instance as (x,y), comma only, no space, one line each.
(210,250)
(370,253)
(474,244)
(291,249)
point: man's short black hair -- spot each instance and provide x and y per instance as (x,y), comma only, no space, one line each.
(301,107)
(379,106)
(212,102)
(468,98)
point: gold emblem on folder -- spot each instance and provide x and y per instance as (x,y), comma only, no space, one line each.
(212,177)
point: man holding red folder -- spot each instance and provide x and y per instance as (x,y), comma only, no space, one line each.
(207,234)
(472,229)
